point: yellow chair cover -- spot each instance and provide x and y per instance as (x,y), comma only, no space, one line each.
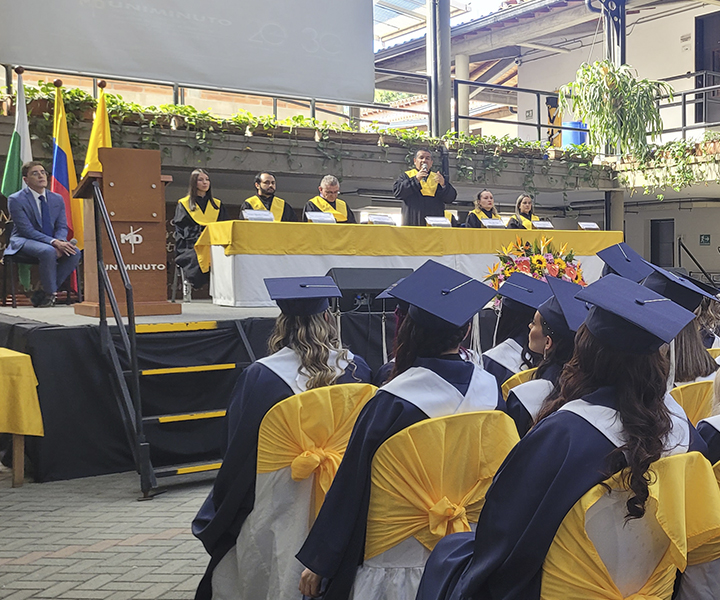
(515,380)
(19,407)
(711,550)
(420,488)
(714,352)
(309,432)
(685,499)
(695,398)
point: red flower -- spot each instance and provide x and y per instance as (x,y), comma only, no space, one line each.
(523,267)
(570,271)
(553,269)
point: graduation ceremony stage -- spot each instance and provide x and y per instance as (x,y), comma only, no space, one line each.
(189,364)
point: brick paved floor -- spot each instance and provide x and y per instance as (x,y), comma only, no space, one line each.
(91,538)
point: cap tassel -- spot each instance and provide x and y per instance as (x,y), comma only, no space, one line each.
(671,374)
(475,348)
(497,324)
(384,336)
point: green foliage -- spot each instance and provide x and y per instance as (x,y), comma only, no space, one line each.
(388,96)
(619,109)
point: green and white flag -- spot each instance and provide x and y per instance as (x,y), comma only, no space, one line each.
(20,151)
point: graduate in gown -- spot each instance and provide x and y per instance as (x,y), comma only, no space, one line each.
(690,361)
(328,202)
(523,217)
(622,260)
(484,209)
(708,314)
(265,199)
(429,380)
(552,335)
(193,213)
(305,354)
(424,192)
(611,411)
(521,295)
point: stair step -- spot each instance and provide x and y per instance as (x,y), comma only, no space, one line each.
(189,468)
(194,369)
(194,416)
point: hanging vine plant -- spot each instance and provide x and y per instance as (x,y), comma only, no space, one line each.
(619,108)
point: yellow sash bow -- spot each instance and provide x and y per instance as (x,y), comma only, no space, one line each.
(276,208)
(339,212)
(209,215)
(429,185)
(309,432)
(695,398)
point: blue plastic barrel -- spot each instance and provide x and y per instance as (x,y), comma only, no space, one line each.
(574,137)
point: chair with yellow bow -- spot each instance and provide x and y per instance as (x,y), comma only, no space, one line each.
(516,380)
(428,481)
(695,398)
(300,445)
(597,554)
(714,352)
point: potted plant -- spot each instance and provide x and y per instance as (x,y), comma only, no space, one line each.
(619,108)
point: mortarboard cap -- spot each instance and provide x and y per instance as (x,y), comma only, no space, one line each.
(703,285)
(441,297)
(624,261)
(385,294)
(678,288)
(630,317)
(562,311)
(525,290)
(302,295)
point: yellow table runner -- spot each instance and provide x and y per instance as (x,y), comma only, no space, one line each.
(248,237)
(19,407)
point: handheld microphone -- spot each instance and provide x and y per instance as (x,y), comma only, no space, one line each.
(73,242)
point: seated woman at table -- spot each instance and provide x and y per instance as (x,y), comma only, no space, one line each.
(193,213)
(552,336)
(610,412)
(484,209)
(523,217)
(305,354)
(430,379)
(521,295)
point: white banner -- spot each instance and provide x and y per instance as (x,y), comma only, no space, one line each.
(312,48)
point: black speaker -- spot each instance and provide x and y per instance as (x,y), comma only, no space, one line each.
(359,286)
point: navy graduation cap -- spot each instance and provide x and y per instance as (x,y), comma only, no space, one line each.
(441,297)
(679,289)
(300,296)
(385,294)
(703,285)
(562,311)
(525,289)
(630,317)
(624,261)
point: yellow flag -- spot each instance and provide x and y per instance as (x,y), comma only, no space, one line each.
(99,137)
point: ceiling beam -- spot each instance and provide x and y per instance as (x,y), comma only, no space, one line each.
(544,47)
(401,11)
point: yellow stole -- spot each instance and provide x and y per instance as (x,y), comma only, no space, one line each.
(429,186)
(209,215)
(481,215)
(526,223)
(276,208)
(339,212)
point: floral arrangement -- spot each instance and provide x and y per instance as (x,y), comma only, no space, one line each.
(538,259)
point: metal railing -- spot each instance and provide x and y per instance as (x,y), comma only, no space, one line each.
(698,96)
(127,382)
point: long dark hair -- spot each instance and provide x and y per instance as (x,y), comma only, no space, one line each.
(640,382)
(560,352)
(414,341)
(193,191)
(513,323)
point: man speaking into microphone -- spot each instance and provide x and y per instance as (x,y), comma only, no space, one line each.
(424,192)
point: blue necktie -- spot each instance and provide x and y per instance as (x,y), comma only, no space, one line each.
(47,227)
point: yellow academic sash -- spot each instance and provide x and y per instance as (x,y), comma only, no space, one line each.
(428,187)
(525,222)
(481,215)
(276,208)
(210,215)
(339,212)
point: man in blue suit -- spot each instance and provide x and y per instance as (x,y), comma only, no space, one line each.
(40,231)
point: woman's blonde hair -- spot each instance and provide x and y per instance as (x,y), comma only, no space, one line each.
(519,200)
(313,337)
(716,396)
(692,360)
(477,202)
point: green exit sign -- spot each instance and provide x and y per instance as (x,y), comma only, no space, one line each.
(704,239)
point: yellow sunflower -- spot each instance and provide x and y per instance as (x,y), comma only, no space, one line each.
(539,261)
(507,271)
(560,263)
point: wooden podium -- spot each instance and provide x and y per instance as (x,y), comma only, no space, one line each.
(133,190)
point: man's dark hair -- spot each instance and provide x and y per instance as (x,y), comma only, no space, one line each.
(261,173)
(29,165)
(423,150)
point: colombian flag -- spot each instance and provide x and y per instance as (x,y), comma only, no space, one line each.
(64,180)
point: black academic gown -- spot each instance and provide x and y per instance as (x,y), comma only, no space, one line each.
(517,409)
(542,478)
(310,206)
(187,232)
(416,206)
(220,518)
(334,548)
(288,211)
(474,222)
